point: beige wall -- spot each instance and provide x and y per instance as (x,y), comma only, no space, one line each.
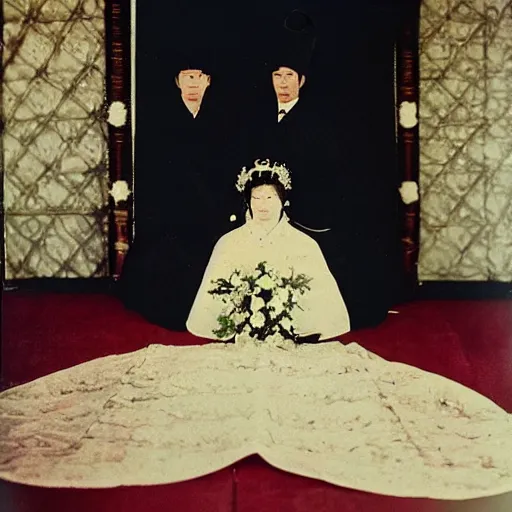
(54,145)
(466,140)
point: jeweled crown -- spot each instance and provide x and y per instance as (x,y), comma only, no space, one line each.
(282,173)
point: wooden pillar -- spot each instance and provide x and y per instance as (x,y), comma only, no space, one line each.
(117,25)
(407,83)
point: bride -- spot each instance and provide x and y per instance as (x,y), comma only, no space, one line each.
(268,237)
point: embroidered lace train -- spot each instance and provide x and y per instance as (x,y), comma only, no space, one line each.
(328,411)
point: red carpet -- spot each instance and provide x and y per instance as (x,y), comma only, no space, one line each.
(467,341)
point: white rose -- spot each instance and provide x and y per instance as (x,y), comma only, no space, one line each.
(117,114)
(238,318)
(229,308)
(266,283)
(409,192)
(120,191)
(257,303)
(286,324)
(258,320)
(408,114)
(257,290)
(277,306)
(235,280)
(237,299)
(282,295)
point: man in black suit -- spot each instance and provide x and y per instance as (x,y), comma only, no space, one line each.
(182,193)
(290,53)
(297,130)
(329,202)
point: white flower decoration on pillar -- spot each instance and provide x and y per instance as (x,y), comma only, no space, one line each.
(117,114)
(409,192)
(408,117)
(120,191)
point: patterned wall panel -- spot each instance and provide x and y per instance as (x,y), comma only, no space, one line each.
(55,139)
(466,140)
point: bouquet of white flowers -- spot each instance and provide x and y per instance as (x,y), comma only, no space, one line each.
(259,304)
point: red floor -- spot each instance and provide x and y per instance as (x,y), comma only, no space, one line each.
(470,342)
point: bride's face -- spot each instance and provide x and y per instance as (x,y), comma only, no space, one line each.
(265,203)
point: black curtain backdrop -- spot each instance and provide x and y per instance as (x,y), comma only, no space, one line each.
(339,142)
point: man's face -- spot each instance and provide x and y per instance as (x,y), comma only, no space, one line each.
(193,84)
(287,84)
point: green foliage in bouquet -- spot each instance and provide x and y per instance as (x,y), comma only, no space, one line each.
(259,304)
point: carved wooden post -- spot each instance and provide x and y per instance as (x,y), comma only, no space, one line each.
(117,19)
(407,52)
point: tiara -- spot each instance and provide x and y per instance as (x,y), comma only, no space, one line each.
(282,173)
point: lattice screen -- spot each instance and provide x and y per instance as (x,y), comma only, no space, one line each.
(55,138)
(466,140)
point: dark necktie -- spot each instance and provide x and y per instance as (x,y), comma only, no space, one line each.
(282,112)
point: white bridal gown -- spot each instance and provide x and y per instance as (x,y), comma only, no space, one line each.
(322,309)
(329,411)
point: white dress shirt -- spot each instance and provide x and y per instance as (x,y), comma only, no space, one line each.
(286,107)
(193,111)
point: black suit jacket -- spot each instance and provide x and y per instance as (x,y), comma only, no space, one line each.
(303,141)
